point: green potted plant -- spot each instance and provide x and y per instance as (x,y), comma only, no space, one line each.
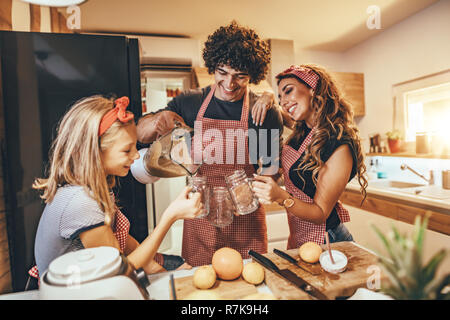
(409,278)
(394,138)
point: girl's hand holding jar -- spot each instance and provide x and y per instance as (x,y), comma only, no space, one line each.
(186,206)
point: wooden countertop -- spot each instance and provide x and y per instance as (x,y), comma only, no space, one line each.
(400,206)
(439,205)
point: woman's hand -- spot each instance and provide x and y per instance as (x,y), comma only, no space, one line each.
(186,206)
(259,109)
(267,190)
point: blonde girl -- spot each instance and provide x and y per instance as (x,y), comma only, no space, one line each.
(96,142)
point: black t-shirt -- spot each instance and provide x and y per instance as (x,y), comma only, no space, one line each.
(188,104)
(308,186)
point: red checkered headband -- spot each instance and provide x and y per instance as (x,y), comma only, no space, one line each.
(119,112)
(307,75)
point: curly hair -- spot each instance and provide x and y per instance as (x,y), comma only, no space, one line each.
(240,48)
(334,117)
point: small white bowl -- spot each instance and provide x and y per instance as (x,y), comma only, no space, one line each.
(340,260)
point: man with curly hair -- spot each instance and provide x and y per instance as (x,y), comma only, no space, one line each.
(237,57)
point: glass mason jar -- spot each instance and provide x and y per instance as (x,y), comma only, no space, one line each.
(242,192)
(221,208)
(198,184)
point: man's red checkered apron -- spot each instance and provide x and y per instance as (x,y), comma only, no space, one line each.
(302,231)
(121,230)
(200,238)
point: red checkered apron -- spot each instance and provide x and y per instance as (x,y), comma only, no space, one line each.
(121,229)
(200,238)
(302,231)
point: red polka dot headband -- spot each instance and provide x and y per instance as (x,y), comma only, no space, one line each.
(307,75)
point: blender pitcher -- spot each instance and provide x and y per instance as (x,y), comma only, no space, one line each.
(169,156)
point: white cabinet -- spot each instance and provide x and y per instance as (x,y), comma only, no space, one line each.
(159,197)
(277,229)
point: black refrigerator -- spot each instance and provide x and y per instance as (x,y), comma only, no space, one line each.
(42,75)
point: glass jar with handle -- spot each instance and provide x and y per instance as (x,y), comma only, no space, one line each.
(199,184)
(242,192)
(221,210)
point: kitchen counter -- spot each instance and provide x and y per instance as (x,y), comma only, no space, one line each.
(398,200)
(160,283)
(159,288)
(439,203)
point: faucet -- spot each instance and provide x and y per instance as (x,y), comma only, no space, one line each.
(430,180)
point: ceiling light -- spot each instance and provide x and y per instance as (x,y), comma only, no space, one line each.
(55,3)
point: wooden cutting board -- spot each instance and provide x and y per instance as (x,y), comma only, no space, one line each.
(225,290)
(362,266)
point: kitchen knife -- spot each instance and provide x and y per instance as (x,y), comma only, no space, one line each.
(288,275)
(292,260)
(172,286)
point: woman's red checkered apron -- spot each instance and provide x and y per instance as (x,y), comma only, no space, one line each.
(121,229)
(302,231)
(200,238)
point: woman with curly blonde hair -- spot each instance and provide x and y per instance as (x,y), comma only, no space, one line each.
(319,158)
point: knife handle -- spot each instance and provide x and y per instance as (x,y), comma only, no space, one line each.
(263,260)
(285,256)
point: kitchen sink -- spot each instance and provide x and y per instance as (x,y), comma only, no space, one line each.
(422,190)
(435,192)
(394,184)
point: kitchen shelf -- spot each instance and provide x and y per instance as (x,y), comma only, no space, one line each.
(409,155)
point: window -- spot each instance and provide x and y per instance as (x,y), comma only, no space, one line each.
(422,106)
(428,110)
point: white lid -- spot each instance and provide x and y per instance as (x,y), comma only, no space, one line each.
(138,170)
(84,265)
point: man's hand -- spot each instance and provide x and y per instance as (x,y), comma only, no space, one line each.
(166,121)
(152,127)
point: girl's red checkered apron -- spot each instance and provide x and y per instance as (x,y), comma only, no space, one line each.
(302,231)
(200,238)
(121,230)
